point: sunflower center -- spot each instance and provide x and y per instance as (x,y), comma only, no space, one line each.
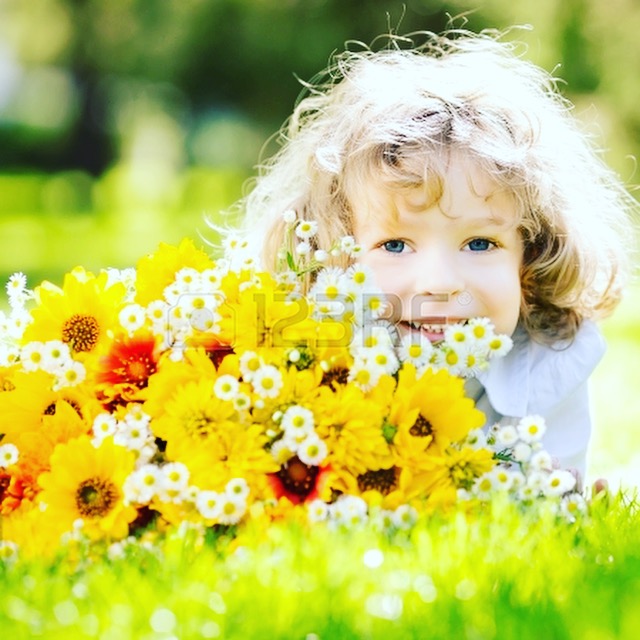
(297,477)
(340,375)
(95,497)
(421,428)
(382,480)
(50,410)
(81,332)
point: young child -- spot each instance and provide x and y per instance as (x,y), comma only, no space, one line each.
(472,191)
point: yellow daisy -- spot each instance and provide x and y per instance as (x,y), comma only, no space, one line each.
(85,482)
(234,451)
(194,412)
(81,314)
(351,426)
(157,271)
(170,376)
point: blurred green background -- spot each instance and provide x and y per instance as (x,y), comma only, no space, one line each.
(124,122)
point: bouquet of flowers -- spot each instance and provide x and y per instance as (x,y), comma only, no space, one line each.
(206,394)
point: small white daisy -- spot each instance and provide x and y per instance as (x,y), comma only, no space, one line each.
(559,482)
(8,455)
(267,381)
(306,229)
(32,355)
(231,509)
(226,387)
(250,362)
(208,504)
(238,488)
(499,345)
(296,420)
(532,428)
(312,450)
(317,511)
(132,317)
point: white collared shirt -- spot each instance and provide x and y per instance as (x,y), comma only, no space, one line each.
(550,381)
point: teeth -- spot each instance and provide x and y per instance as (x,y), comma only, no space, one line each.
(431,328)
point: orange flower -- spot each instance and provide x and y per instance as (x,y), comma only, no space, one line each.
(124,372)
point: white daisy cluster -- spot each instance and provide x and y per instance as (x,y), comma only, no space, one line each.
(351,511)
(466,347)
(54,357)
(133,432)
(239,253)
(189,304)
(226,507)
(13,323)
(298,437)
(169,483)
(526,470)
(265,379)
(347,295)
(298,255)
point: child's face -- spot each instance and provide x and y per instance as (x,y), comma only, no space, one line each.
(445,261)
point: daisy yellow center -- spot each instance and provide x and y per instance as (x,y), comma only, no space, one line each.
(198,424)
(95,497)
(81,332)
(382,480)
(421,428)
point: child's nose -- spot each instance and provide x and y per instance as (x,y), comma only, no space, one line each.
(438,275)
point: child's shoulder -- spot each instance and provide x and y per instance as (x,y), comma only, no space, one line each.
(537,377)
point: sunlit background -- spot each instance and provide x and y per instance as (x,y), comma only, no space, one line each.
(124,123)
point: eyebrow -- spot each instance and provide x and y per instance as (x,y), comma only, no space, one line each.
(487,221)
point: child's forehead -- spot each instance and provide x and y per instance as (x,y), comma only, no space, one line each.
(462,189)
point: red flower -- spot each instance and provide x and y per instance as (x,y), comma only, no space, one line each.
(126,369)
(299,482)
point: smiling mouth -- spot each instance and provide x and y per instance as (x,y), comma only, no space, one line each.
(432,327)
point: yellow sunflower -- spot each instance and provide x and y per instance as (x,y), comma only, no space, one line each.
(81,314)
(444,414)
(86,482)
(351,425)
(388,487)
(157,270)
(27,410)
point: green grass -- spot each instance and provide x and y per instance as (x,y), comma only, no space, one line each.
(500,573)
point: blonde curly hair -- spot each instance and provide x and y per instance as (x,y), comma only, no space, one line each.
(394,115)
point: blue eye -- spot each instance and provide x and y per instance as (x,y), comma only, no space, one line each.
(480,244)
(394,246)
